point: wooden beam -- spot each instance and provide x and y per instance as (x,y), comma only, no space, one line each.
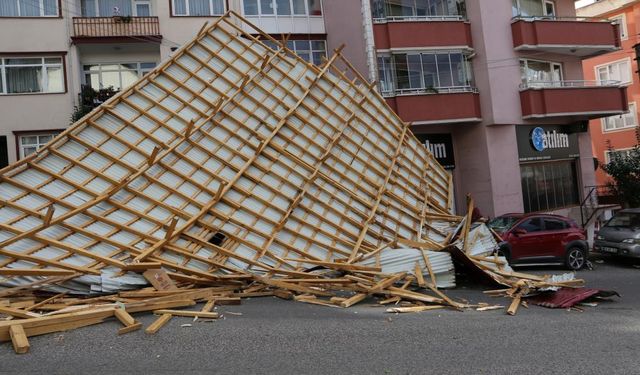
(19,339)
(158,323)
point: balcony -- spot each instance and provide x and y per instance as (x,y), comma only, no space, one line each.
(436,106)
(578,100)
(581,37)
(420,32)
(115,29)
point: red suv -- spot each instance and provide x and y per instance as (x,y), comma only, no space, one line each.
(540,238)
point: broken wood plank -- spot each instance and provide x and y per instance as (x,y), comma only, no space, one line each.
(188,313)
(413,309)
(158,323)
(19,339)
(130,328)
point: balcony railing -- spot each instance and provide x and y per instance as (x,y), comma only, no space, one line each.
(452,17)
(428,91)
(103,27)
(558,18)
(569,83)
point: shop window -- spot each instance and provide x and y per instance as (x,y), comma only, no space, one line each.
(198,8)
(31,75)
(118,76)
(619,71)
(550,185)
(30,143)
(29,8)
(623,121)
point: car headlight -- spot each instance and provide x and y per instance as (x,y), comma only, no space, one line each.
(632,240)
(599,237)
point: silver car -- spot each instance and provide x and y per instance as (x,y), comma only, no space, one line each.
(620,235)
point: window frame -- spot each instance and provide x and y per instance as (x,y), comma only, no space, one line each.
(134,8)
(626,60)
(292,45)
(423,87)
(225,4)
(275,14)
(33,55)
(30,133)
(139,70)
(550,185)
(552,64)
(634,113)
(41,8)
(607,153)
(381,12)
(622,17)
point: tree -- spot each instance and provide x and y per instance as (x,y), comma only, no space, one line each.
(624,169)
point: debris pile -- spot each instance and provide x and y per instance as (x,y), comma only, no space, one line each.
(234,170)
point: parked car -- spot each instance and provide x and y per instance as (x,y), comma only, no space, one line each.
(541,238)
(620,235)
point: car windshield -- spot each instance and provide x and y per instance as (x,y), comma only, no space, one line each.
(625,220)
(503,223)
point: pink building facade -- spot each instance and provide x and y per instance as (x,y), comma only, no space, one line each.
(496,89)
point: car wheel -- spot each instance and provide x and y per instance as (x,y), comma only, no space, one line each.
(575,258)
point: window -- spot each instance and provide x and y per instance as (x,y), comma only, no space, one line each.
(531,225)
(282,7)
(29,8)
(555,224)
(535,73)
(385,74)
(118,76)
(198,8)
(617,71)
(30,143)
(622,153)
(549,185)
(31,75)
(533,8)
(431,71)
(626,120)
(312,51)
(408,9)
(621,21)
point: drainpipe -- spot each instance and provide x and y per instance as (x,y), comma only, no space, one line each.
(370,47)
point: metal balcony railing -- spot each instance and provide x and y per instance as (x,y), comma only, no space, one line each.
(569,83)
(429,91)
(558,18)
(453,17)
(117,26)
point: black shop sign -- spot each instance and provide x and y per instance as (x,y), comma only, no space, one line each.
(441,146)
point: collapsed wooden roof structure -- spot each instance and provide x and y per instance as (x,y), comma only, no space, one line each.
(228,160)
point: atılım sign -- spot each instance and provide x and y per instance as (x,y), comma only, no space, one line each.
(441,146)
(546,143)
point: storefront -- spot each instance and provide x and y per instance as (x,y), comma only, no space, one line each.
(441,146)
(549,167)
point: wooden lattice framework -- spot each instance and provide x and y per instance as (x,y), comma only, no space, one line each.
(228,160)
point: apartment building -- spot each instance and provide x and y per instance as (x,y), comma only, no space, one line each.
(620,65)
(50,49)
(496,89)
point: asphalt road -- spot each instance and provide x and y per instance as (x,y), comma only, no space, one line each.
(276,336)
